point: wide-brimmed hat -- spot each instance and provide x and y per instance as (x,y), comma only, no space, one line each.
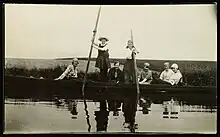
(101,38)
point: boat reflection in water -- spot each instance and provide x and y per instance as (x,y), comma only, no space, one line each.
(124,115)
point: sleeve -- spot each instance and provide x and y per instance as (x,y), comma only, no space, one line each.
(162,75)
(65,72)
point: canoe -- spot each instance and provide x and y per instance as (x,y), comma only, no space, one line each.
(25,86)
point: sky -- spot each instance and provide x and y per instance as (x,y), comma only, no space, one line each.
(160,32)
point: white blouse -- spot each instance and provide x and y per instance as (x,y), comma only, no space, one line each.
(175,78)
(104,48)
(128,53)
(165,75)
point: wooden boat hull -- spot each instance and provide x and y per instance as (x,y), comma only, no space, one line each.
(17,87)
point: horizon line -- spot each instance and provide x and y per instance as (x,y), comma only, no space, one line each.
(83,58)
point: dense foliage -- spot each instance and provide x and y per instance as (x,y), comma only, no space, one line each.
(197,78)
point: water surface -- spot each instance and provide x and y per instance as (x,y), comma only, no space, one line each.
(106,116)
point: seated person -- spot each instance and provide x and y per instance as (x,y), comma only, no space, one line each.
(145,76)
(167,73)
(115,74)
(176,78)
(71,71)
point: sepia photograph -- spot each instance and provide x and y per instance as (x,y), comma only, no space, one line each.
(110,69)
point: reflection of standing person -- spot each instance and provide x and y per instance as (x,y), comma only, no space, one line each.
(102,60)
(129,69)
(102,117)
(129,108)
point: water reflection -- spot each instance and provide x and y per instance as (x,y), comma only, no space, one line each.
(101,117)
(72,107)
(132,116)
(145,103)
(129,108)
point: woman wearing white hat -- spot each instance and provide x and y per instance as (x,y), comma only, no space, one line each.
(71,71)
(177,76)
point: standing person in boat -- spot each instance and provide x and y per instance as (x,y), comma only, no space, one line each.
(102,60)
(167,73)
(71,71)
(145,76)
(176,78)
(129,70)
(115,74)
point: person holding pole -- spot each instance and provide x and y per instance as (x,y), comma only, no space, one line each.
(129,70)
(102,60)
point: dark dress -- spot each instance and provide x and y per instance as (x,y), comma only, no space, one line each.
(103,63)
(129,71)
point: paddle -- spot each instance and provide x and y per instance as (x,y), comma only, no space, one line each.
(135,69)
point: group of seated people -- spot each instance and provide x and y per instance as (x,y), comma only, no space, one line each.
(169,76)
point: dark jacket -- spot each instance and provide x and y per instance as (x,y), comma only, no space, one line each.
(115,75)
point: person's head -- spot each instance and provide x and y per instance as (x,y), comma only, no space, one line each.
(103,40)
(117,64)
(75,61)
(130,44)
(166,65)
(174,67)
(146,66)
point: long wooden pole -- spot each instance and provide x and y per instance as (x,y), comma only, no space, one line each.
(135,69)
(90,53)
(87,67)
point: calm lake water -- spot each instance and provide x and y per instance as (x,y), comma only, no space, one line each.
(107,116)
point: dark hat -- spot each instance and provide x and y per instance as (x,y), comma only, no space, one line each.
(103,38)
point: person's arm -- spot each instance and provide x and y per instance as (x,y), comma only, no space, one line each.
(148,77)
(64,73)
(109,74)
(139,76)
(144,80)
(102,49)
(162,76)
